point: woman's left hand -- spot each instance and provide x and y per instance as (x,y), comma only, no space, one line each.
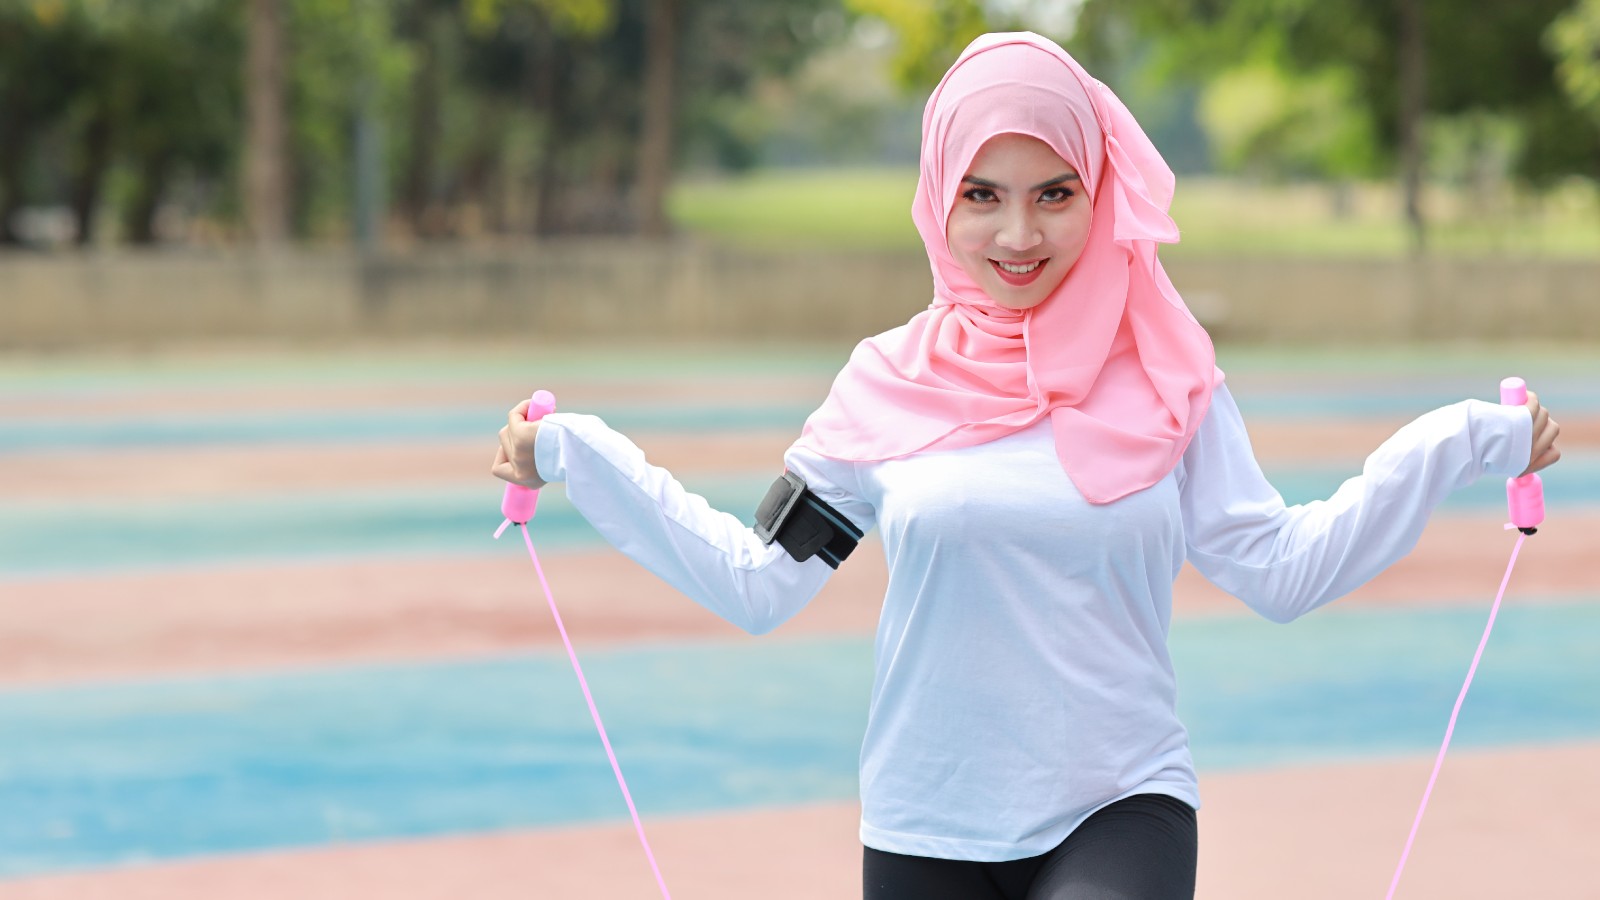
(1545,432)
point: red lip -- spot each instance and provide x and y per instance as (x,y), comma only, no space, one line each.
(1019,280)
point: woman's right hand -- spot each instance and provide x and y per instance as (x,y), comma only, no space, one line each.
(514,461)
(1545,432)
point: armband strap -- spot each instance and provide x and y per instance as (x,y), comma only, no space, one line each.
(803,524)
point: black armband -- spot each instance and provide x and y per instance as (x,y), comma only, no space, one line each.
(803,524)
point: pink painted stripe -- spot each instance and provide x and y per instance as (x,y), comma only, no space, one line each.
(1450,729)
(593,712)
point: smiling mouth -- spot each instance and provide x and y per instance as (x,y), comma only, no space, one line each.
(1018,274)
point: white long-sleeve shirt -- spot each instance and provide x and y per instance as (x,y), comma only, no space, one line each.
(1022,677)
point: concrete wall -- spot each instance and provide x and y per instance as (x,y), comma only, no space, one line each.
(608,288)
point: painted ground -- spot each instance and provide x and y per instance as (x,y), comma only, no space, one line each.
(256,641)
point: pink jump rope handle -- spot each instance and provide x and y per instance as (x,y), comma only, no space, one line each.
(1524,495)
(519,503)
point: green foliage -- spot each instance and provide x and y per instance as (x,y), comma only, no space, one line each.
(1573,38)
(145,87)
(1482,58)
(1269,122)
(739,56)
(931,33)
(578,18)
(340,50)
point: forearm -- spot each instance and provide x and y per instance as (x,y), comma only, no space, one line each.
(644,512)
(1286,561)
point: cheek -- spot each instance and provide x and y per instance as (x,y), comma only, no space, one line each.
(1074,234)
(961,232)
(967,240)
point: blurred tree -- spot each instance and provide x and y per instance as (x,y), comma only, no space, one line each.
(664,17)
(486,74)
(140,85)
(617,98)
(174,81)
(1574,39)
(266,176)
(575,109)
(1276,124)
(348,70)
(1486,57)
(32,41)
(930,33)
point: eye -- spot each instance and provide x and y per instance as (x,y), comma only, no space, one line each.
(1055,195)
(979,195)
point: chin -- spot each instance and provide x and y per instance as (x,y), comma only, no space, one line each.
(1018,303)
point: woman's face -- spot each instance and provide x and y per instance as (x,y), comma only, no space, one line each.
(1021,221)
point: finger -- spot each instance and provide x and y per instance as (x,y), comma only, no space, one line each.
(1546,428)
(500,458)
(508,448)
(519,413)
(1544,460)
(1551,434)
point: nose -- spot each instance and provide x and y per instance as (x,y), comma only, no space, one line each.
(1018,229)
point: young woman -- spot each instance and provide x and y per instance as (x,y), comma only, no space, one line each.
(1040,449)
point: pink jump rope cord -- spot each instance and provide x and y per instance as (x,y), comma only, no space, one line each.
(518,506)
(1525,499)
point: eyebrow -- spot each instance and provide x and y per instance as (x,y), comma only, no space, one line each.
(984,182)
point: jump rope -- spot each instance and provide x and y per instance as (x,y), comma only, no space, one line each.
(1524,499)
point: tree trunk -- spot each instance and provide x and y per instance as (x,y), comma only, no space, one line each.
(1413,105)
(16,127)
(426,91)
(656,137)
(89,178)
(369,211)
(141,222)
(266,151)
(547,175)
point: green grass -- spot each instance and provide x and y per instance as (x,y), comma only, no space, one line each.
(870,209)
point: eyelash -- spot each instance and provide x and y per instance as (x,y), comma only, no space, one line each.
(971,195)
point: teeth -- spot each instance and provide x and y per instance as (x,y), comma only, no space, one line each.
(1021,269)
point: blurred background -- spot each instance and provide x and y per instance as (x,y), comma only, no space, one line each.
(272,271)
(340,168)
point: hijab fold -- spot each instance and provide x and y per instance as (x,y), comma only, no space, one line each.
(1113,356)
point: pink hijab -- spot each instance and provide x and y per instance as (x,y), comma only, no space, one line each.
(1112,356)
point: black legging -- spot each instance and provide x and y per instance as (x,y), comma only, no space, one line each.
(1144,847)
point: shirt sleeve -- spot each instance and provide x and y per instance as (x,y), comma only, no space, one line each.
(711,556)
(1284,561)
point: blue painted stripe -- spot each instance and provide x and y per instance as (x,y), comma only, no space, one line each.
(1339,398)
(524,367)
(1351,683)
(107,774)
(45,538)
(38,540)
(101,775)
(360,427)
(67,434)
(1573,482)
